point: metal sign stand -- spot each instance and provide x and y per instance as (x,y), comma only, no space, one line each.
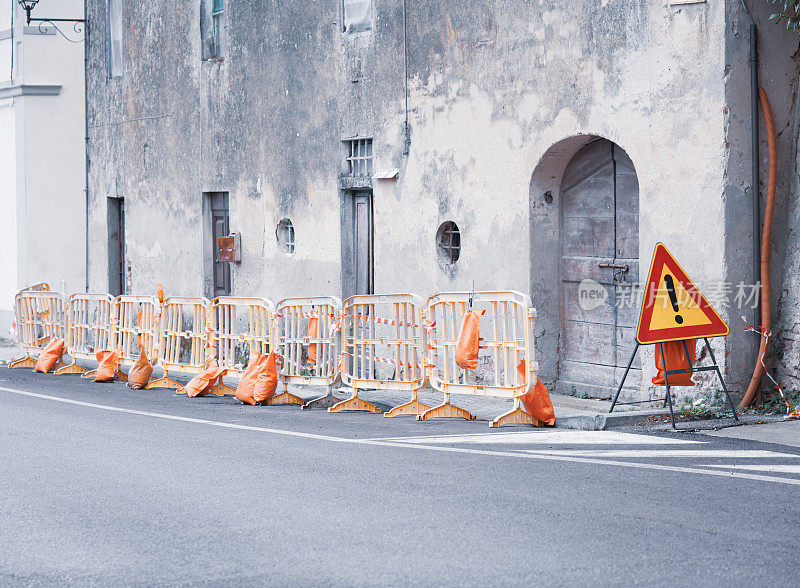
(667,373)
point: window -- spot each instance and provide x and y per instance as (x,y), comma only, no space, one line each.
(359,157)
(114,10)
(448,240)
(356,15)
(285,235)
(212,27)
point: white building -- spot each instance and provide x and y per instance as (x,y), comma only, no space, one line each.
(42,153)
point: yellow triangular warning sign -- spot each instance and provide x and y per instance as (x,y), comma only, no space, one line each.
(672,306)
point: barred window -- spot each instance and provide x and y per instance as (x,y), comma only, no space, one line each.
(285,235)
(448,242)
(359,159)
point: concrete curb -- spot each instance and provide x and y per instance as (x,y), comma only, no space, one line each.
(603,421)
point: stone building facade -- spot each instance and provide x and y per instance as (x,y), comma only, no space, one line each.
(361,145)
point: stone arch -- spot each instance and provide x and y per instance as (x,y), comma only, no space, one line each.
(546,238)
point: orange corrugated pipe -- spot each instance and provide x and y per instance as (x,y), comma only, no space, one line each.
(766,233)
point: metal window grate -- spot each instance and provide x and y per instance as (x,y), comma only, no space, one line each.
(359,160)
(449,242)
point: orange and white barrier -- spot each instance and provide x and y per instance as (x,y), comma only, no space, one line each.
(182,339)
(134,324)
(40,317)
(239,327)
(88,329)
(383,347)
(308,346)
(506,340)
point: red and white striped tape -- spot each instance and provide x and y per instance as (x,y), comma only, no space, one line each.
(768,334)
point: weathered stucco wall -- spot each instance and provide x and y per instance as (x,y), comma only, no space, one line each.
(496,92)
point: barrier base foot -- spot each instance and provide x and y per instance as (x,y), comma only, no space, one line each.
(22,362)
(415,407)
(220,389)
(516,417)
(354,403)
(284,398)
(60,366)
(446,410)
(326,401)
(72,368)
(164,382)
(117,376)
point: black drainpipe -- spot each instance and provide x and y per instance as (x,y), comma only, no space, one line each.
(754,141)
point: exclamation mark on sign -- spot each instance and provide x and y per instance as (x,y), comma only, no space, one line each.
(672,296)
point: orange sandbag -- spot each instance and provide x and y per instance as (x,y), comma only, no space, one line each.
(675,355)
(49,356)
(247,383)
(107,366)
(468,340)
(313,349)
(267,381)
(140,373)
(537,402)
(199,385)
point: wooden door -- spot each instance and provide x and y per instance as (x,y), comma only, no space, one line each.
(362,242)
(599,251)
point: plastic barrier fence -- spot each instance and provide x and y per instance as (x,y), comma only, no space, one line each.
(506,339)
(134,321)
(88,328)
(183,338)
(383,348)
(40,317)
(239,327)
(308,343)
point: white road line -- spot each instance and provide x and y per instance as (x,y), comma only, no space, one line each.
(511,454)
(174,417)
(652,453)
(568,437)
(775,467)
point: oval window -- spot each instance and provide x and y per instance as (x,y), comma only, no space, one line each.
(285,235)
(448,242)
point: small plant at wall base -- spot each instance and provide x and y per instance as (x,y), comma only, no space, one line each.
(789,11)
(707,406)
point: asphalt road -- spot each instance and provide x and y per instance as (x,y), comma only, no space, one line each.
(102,485)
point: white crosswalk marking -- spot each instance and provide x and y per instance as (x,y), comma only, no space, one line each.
(765,467)
(654,453)
(567,437)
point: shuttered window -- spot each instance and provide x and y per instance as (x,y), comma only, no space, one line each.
(114,10)
(356,15)
(212,28)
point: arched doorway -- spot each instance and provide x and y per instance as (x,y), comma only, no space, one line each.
(599,262)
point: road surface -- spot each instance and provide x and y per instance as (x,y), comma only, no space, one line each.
(103,485)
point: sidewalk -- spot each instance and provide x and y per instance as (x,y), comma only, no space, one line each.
(781,432)
(571,413)
(8,350)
